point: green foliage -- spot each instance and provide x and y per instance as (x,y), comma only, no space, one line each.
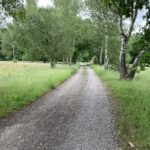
(102,16)
(44,33)
(113,44)
(2,57)
(87,41)
(68,10)
(133,107)
(17,80)
(9,42)
(137,43)
(14,8)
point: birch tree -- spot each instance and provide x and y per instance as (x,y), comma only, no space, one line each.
(126,9)
(104,16)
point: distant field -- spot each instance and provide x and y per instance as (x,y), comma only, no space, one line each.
(133,111)
(22,83)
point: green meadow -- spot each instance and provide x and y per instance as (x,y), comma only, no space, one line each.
(22,83)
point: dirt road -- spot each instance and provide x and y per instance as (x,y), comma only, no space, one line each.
(75,116)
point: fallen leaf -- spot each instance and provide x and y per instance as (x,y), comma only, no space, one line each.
(131,144)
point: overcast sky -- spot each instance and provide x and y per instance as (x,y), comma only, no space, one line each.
(45,3)
(140,22)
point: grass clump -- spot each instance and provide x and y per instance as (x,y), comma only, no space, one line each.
(133,110)
(23,83)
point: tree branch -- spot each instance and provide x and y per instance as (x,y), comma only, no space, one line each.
(133,68)
(133,19)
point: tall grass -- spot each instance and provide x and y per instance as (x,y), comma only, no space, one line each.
(133,109)
(23,83)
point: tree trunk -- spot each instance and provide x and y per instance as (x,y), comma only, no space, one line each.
(63,61)
(101,57)
(107,63)
(106,45)
(124,42)
(67,60)
(52,64)
(134,66)
(122,58)
(14,54)
(70,61)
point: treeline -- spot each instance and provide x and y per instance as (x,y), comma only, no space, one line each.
(50,34)
(63,33)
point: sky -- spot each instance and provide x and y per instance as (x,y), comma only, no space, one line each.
(45,3)
(140,22)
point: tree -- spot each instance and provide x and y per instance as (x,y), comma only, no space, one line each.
(86,41)
(2,56)
(138,42)
(42,34)
(9,45)
(50,34)
(14,8)
(68,11)
(107,30)
(102,15)
(126,9)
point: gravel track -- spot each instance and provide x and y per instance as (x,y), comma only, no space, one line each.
(74,116)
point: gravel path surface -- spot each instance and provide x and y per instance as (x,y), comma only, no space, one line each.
(75,116)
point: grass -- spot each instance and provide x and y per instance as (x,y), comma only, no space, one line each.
(23,83)
(133,107)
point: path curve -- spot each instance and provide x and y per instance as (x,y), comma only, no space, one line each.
(74,116)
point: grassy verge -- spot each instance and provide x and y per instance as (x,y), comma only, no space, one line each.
(133,110)
(23,83)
